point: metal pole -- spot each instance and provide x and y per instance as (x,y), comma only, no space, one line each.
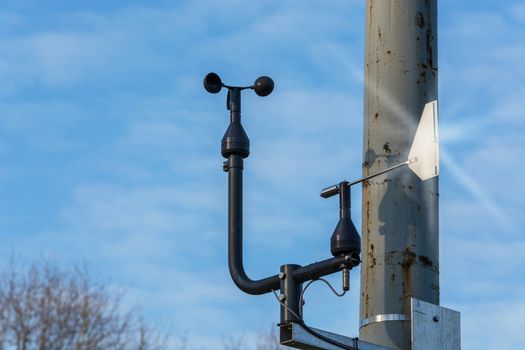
(400,212)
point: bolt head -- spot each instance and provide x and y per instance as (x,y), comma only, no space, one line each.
(282,275)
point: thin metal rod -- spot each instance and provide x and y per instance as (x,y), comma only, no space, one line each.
(334,189)
(355,182)
(237,87)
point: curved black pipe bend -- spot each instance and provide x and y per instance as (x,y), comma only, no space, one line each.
(235,258)
(235,235)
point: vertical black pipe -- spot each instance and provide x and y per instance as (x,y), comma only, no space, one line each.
(290,294)
(344,200)
(235,256)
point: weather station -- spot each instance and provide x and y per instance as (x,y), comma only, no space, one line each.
(399,296)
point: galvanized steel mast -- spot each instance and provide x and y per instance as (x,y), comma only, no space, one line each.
(400,212)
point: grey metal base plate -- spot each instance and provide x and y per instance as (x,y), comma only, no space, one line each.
(434,327)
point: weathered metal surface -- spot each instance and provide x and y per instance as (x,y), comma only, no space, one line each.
(384,318)
(295,336)
(400,211)
(434,327)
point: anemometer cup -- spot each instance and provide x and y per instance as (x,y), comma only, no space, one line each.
(212,83)
(263,86)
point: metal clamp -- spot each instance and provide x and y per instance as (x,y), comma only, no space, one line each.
(383,318)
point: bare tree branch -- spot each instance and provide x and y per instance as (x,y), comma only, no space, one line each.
(45,308)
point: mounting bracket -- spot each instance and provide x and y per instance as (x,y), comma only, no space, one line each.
(433,328)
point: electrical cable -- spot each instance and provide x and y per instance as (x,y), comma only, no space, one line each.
(313,332)
(286,306)
(308,285)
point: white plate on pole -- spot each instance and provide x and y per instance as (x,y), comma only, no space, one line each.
(423,157)
(424,153)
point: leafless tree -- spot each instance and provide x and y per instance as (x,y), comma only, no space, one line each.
(43,307)
(233,344)
(269,340)
(266,340)
(46,308)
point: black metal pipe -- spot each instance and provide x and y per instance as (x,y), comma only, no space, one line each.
(235,259)
(322,268)
(290,295)
(344,200)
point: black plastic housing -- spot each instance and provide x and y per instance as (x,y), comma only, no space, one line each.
(235,140)
(345,240)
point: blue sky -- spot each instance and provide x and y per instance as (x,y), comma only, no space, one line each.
(110,153)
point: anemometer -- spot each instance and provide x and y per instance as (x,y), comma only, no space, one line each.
(345,242)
